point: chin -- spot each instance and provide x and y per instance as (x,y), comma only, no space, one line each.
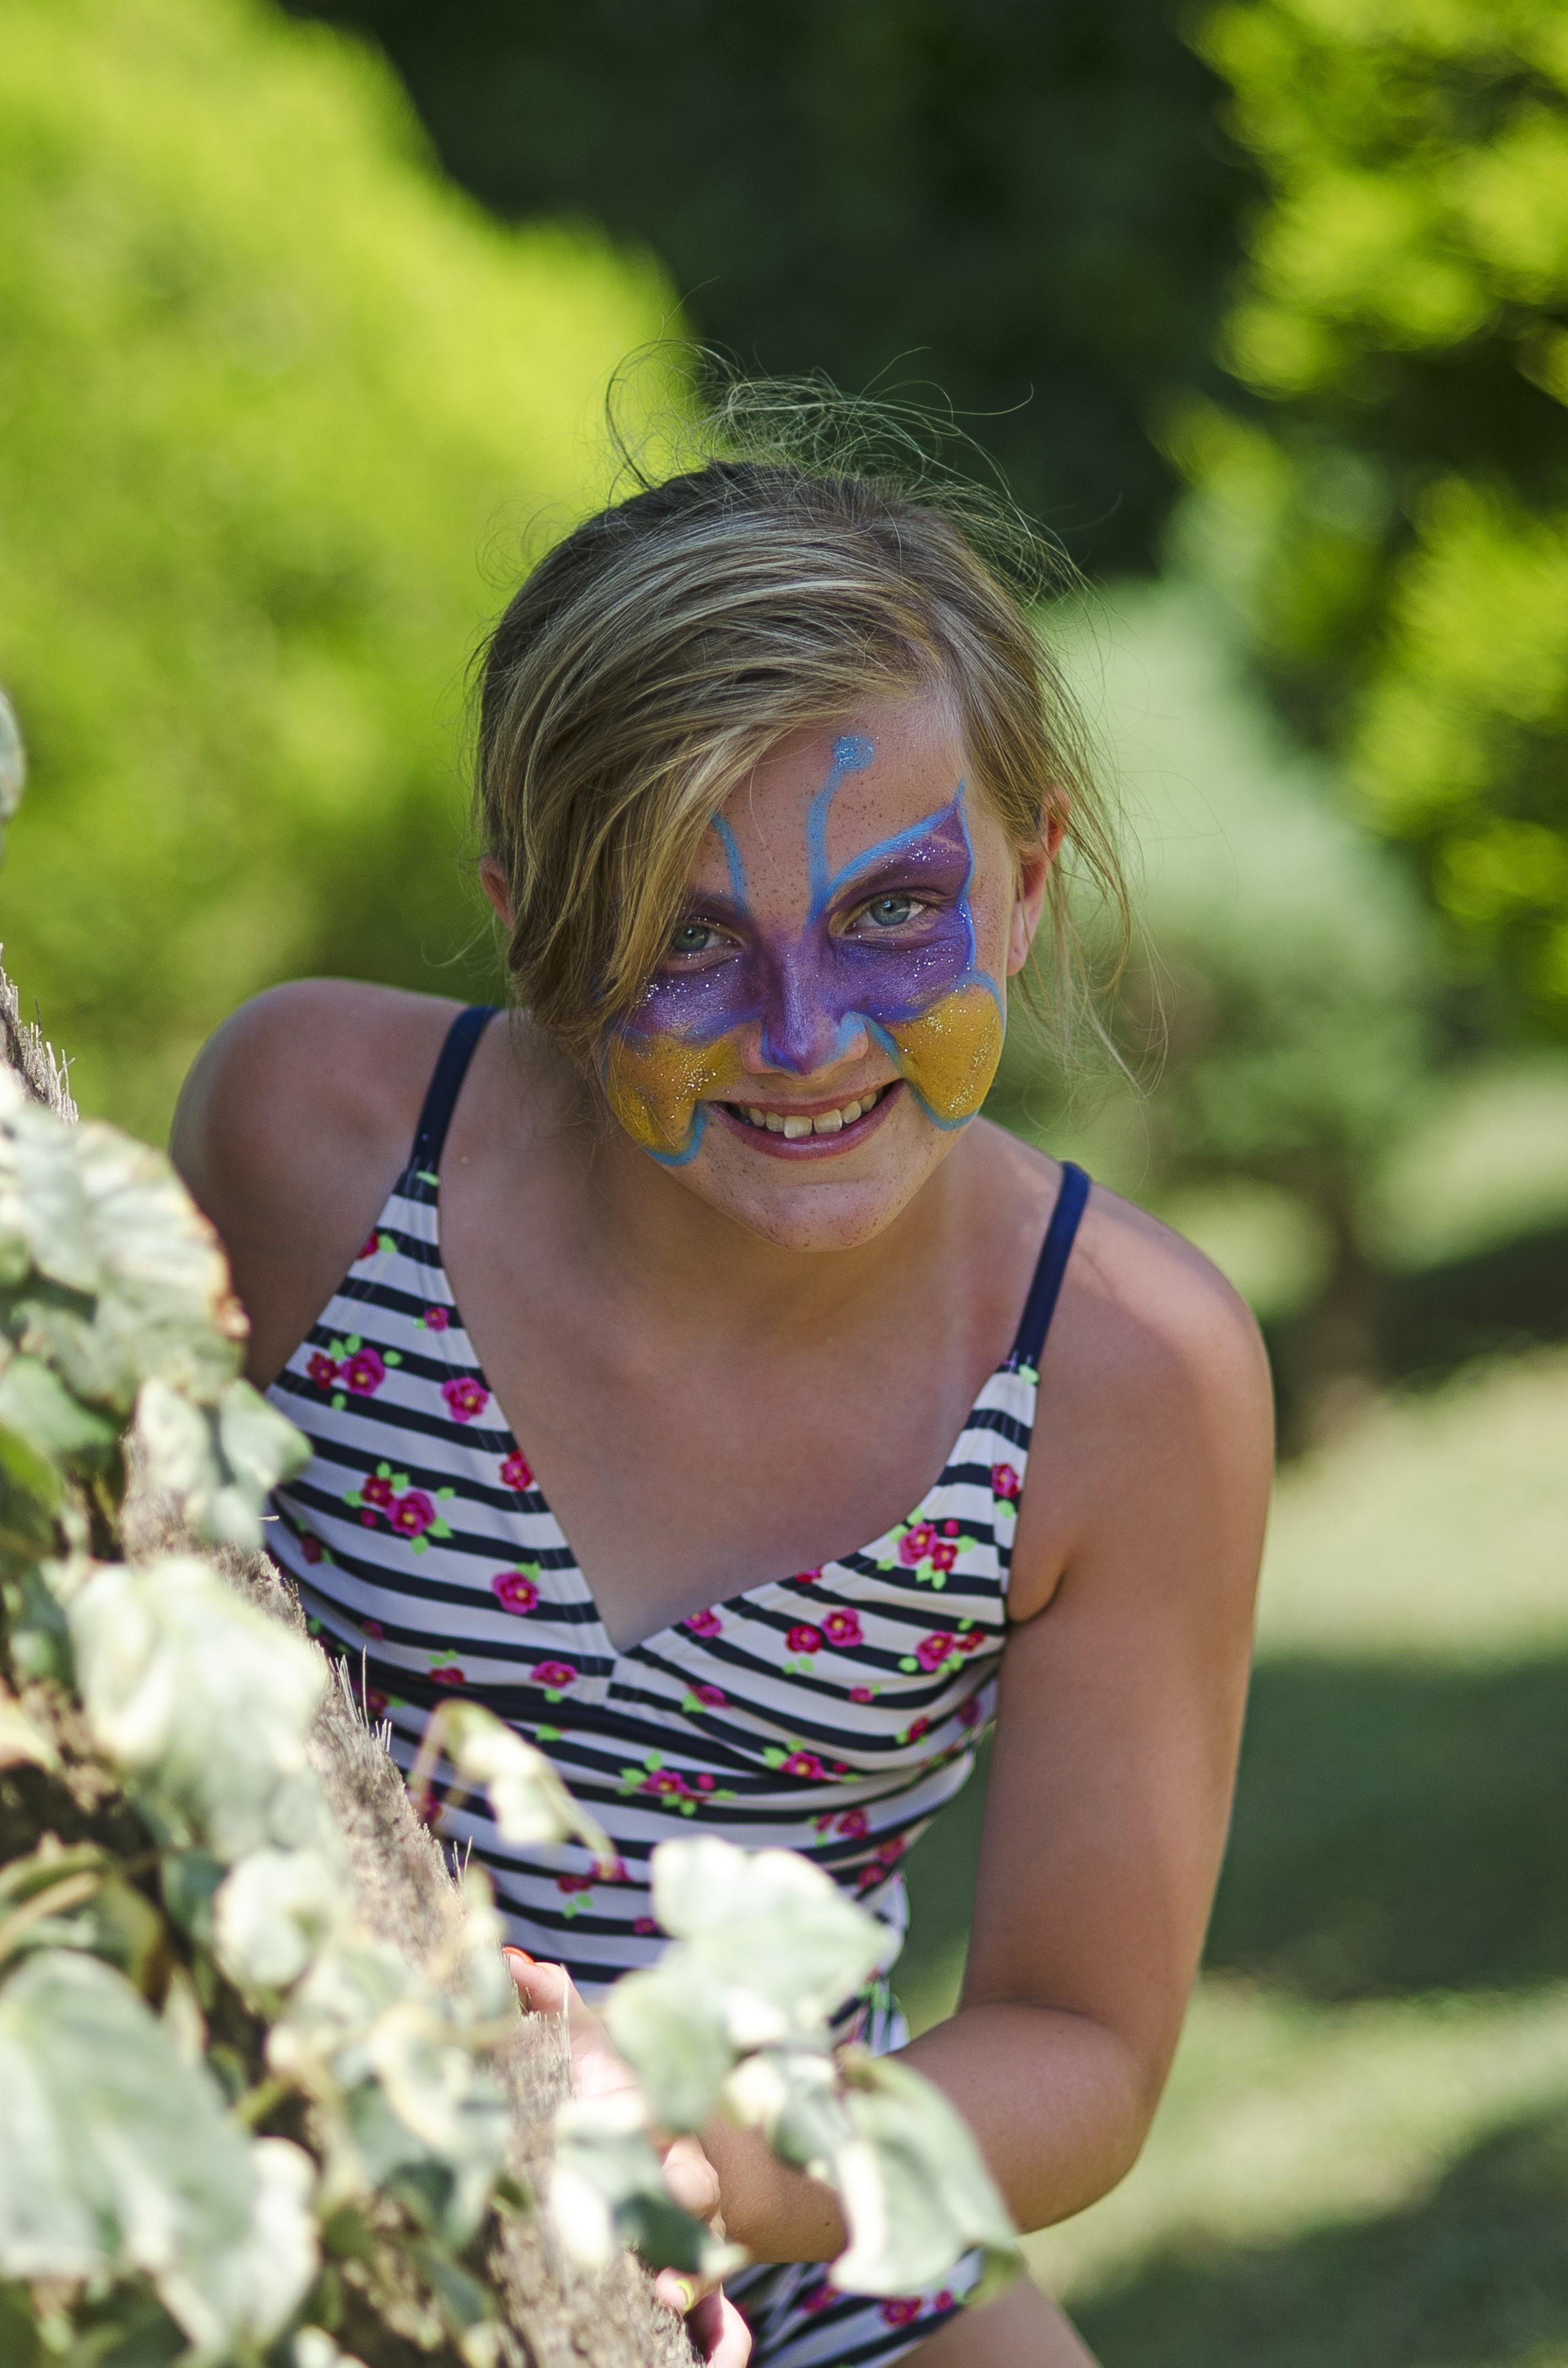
(814,1207)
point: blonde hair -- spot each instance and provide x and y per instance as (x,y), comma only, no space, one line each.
(660,650)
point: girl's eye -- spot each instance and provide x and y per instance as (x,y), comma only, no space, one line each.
(694,938)
(891,912)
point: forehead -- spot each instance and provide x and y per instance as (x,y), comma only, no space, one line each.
(916,764)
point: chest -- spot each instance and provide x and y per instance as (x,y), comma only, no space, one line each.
(685,1468)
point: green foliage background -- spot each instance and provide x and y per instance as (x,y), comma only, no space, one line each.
(1029,209)
(279,410)
(1390,513)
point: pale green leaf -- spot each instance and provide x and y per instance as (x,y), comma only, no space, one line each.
(668,2022)
(774,1930)
(530,1804)
(252,2288)
(792,2095)
(915,2192)
(271,1914)
(114,2154)
(203,1700)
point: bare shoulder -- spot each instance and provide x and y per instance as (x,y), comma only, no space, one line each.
(1149,1312)
(290,1130)
(1155,1396)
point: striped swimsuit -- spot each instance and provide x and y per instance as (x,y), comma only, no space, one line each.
(832,1711)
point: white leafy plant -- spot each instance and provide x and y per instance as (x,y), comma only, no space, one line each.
(123,2157)
(733,2019)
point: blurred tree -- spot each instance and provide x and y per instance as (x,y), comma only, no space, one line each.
(1028,206)
(1390,514)
(1278,1011)
(267,386)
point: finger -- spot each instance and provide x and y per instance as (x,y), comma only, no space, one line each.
(679,2291)
(691,2178)
(718,2334)
(546,1989)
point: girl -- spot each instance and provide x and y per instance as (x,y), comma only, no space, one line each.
(696,1378)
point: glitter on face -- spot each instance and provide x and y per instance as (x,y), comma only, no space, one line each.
(919,991)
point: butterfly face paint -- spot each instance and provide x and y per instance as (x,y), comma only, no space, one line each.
(913,987)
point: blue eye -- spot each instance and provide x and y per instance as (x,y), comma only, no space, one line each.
(891,912)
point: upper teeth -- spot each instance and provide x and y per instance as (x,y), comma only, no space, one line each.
(826,1122)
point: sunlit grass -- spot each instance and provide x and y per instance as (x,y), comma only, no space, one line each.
(1439,1527)
(1281,2115)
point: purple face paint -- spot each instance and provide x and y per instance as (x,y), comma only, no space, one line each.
(910,980)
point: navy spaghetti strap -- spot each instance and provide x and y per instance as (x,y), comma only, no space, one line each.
(445,1084)
(1056,1250)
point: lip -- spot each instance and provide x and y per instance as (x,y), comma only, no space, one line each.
(811,1146)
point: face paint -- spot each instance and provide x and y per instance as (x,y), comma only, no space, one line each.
(913,985)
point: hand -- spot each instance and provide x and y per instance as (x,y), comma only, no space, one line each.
(718,2334)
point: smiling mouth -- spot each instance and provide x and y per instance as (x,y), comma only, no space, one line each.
(838,1126)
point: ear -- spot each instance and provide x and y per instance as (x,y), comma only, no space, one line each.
(493,879)
(1029,901)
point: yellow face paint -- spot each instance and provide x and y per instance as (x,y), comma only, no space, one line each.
(657,1086)
(950,1053)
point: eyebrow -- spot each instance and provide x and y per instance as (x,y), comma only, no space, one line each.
(888,858)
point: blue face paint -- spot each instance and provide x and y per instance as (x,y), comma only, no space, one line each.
(913,983)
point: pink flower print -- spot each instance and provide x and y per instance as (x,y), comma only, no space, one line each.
(412,1514)
(805,1577)
(870,1876)
(372,1247)
(843,1629)
(933,1650)
(944,1554)
(916,1543)
(944,2301)
(378,1491)
(449,1675)
(365,1371)
(861,1694)
(435,1320)
(804,1640)
(310,1548)
(1004,1481)
(949,1529)
(376,1702)
(372,1628)
(705,1782)
(712,1696)
(515,1470)
(819,2298)
(891,1850)
(573,1883)
(643,1924)
(465,1397)
(804,1763)
(322,1370)
(971,1640)
(553,1675)
(898,2312)
(917,1728)
(703,1623)
(666,1785)
(853,1823)
(513,1590)
(969,1710)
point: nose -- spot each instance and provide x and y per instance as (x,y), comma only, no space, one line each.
(801,1032)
